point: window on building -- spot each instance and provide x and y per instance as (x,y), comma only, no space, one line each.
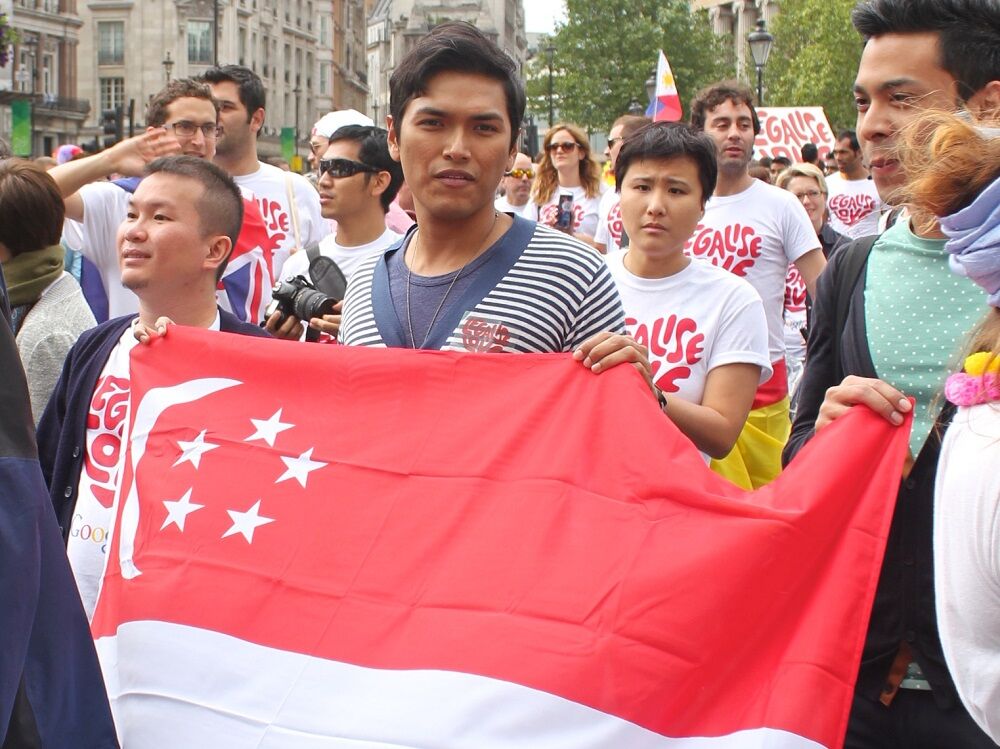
(324,78)
(199,38)
(111,43)
(112,93)
(324,31)
(48,78)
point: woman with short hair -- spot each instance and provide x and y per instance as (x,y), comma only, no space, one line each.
(48,309)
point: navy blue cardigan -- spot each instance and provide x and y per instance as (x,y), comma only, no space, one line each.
(63,427)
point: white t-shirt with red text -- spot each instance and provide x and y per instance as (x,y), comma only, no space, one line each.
(107,420)
(270,188)
(610,228)
(584,210)
(795,323)
(755,234)
(692,322)
(854,206)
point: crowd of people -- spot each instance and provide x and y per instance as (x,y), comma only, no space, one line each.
(759,300)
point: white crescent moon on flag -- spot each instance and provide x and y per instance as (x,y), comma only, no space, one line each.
(148,411)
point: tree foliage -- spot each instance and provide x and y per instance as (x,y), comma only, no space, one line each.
(607,49)
(815,58)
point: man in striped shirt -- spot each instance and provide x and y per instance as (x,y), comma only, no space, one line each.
(467,277)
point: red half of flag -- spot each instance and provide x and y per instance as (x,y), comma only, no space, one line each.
(417,549)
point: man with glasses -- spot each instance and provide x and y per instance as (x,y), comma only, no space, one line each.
(358,181)
(610,230)
(182,118)
(516,185)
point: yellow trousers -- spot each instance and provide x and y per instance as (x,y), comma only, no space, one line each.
(755,459)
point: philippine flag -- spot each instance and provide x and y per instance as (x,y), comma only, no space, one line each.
(323,546)
(666,103)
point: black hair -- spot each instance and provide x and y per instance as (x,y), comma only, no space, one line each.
(220,207)
(373,150)
(968,30)
(251,87)
(459,47)
(670,140)
(712,96)
(810,152)
(783,160)
(852,137)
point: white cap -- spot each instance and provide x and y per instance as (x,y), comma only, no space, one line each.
(331,122)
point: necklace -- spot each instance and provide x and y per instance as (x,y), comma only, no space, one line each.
(409,320)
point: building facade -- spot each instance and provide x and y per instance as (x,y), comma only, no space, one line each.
(734,19)
(40,80)
(130,48)
(350,61)
(395,25)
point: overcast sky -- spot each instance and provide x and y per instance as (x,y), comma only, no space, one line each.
(541,15)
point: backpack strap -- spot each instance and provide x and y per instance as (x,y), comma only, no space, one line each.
(853,259)
(312,252)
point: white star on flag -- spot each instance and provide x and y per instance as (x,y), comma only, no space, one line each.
(192,451)
(247,522)
(179,509)
(299,468)
(268,429)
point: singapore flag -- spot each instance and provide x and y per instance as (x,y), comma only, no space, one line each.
(319,546)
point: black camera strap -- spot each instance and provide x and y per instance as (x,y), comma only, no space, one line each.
(327,277)
(325,274)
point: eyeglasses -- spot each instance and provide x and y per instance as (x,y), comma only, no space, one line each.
(520,173)
(807,194)
(564,147)
(344,167)
(185,129)
(612,141)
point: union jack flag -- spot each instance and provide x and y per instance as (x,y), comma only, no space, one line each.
(245,288)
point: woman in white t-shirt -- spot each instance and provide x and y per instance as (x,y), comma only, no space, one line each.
(704,327)
(567,168)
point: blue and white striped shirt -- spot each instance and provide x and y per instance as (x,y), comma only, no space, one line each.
(539,291)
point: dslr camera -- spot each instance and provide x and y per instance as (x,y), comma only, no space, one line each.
(298,297)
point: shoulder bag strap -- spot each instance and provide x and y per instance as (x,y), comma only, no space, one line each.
(293,209)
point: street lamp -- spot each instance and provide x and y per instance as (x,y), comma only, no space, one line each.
(32,46)
(297,91)
(760,42)
(651,86)
(635,108)
(551,51)
(168,66)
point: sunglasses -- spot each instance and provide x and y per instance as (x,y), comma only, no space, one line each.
(344,167)
(564,147)
(520,173)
